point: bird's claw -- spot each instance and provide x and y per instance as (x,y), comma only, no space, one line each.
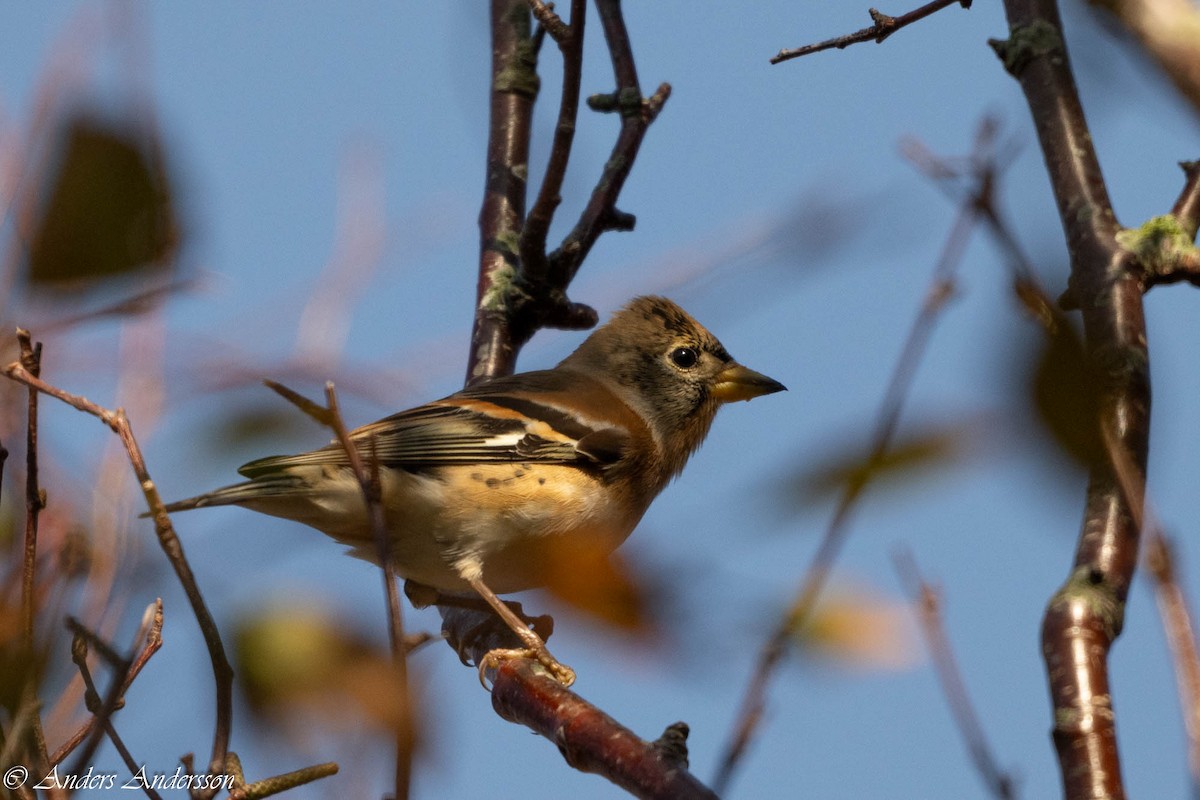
(558,671)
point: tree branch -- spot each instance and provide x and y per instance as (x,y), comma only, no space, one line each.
(515,84)
(368,480)
(1187,207)
(534,263)
(884,27)
(35,501)
(171,546)
(1085,616)
(637,113)
(928,606)
(589,739)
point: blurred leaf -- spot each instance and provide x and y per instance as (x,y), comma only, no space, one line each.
(246,425)
(597,583)
(299,659)
(909,457)
(108,209)
(863,629)
(1065,392)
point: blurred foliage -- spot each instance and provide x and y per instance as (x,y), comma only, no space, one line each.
(599,584)
(862,629)
(1065,386)
(911,456)
(249,424)
(107,209)
(301,660)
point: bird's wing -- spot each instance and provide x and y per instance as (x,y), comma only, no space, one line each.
(497,422)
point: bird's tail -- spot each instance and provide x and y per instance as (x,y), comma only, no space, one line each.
(279,485)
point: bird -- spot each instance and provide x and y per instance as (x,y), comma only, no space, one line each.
(480,487)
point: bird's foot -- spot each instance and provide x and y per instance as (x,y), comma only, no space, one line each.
(559,671)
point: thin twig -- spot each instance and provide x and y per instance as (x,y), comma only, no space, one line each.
(1176,616)
(171,546)
(35,501)
(941,289)
(368,479)
(102,709)
(150,645)
(927,606)
(1187,207)
(637,113)
(884,27)
(281,783)
(551,22)
(99,710)
(535,266)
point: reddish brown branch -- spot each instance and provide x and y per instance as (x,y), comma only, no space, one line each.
(171,546)
(940,290)
(928,607)
(884,27)
(515,83)
(1084,617)
(589,739)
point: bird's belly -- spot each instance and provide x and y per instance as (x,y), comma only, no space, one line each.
(517,526)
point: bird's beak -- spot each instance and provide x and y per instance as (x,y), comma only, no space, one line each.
(736,382)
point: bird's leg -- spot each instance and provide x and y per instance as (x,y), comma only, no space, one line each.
(534,646)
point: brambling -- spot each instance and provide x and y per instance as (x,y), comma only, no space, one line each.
(478,487)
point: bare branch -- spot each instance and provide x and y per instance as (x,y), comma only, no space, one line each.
(1084,617)
(551,22)
(1181,639)
(515,84)
(534,263)
(928,603)
(884,27)
(941,289)
(589,739)
(368,479)
(637,113)
(151,642)
(171,546)
(1187,207)
(147,641)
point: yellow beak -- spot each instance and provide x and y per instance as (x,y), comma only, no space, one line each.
(736,382)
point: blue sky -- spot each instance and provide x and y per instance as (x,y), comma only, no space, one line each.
(264,106)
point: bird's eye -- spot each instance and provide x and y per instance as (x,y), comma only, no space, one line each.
(685,357)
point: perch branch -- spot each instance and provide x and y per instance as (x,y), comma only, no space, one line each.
(589,739)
